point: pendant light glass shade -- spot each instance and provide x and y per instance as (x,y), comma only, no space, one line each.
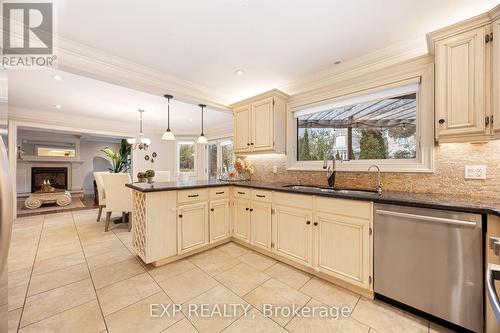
(140,141)
(202,139)
(168,135)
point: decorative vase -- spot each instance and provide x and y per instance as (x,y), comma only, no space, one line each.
(142,180)
(150,180)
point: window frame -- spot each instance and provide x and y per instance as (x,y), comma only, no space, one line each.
(219,143)
(424,162)
(178,157)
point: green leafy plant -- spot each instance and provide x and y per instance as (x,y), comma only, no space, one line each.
(150,173)
(141,175)
(121,159)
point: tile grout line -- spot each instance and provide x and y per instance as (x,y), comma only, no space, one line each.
(91,279)
(31,273)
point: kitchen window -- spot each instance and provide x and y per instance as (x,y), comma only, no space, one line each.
(185,156)
(390,127)
(220,157)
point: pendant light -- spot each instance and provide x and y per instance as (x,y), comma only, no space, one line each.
(140,141)
(202,139)
(168,135)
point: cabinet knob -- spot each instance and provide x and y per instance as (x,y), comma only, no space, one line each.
(315,223)
(308,222)
(212,209)
(251,209)
(248,144)
(180,215)
(441,121)
(251,143)
(247,208)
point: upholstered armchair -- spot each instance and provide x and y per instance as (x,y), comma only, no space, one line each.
(118,196)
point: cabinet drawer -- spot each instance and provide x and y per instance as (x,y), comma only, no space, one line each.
(353,208)
(243,193)
(192,195)
(219,192)
(259,195)
(293,200)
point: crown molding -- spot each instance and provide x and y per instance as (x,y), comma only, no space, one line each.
(457,28)
(379,59)
(495,13)
(269,93)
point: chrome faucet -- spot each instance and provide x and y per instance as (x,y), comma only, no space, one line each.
(379,185)
(330,173)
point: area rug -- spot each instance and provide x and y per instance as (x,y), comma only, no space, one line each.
(75,204)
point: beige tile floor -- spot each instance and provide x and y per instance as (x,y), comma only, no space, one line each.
(67,275)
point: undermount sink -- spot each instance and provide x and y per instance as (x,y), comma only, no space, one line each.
(329,190)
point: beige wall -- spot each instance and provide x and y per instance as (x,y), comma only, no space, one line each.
(448,177)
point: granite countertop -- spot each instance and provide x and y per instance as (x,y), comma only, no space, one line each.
(480,205)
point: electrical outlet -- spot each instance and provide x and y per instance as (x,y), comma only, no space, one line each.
(475,172)
(275,169)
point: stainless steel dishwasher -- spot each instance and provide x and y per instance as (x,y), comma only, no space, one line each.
(431,260)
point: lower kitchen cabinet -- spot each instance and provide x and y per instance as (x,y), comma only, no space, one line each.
(192,227)
(219,219)
(241,219)
(293,236)
(261,219)
(343,247)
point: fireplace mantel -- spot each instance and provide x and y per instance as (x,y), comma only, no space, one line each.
(29,159)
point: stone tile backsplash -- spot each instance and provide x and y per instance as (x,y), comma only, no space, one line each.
(448,177)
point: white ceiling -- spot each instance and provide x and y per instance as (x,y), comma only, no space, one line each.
(36,89)
(275,42)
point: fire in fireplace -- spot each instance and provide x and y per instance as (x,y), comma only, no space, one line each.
(57,176)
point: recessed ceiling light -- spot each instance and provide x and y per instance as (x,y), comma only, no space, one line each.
(58,106)
(57,77)
(239,72)
(336,62)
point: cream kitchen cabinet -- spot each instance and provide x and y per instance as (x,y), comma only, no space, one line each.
(496,76)
(460,86)
(192,227)
(241,219)
(343,247)
(261,219)
(293,236)
(259,123)
(219,220)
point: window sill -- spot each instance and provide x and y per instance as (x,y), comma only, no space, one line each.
(410,166)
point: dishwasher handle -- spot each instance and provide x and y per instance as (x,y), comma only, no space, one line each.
(427,218)
(492,275)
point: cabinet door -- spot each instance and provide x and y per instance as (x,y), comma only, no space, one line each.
(496,77)
(242,129)
(343,247)
(261,224)
(293,233)
(192,228)
(460,84)
(241,220)
(262,125)
(219,220)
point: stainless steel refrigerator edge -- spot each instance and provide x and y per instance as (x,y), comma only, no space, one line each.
(6,205)
(431,260)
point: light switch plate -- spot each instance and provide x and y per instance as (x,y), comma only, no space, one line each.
(475,172)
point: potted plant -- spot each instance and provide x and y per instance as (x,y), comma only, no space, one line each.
(141,177)
(150,175)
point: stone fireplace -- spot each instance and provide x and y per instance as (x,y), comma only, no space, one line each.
(58,177)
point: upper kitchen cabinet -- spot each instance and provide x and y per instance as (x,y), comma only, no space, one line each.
(259,123)
(465,77)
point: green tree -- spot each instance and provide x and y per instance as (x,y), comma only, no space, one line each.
(304,147)
(186,157)
(372,145)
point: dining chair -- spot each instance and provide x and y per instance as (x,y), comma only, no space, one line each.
(101,198)
(162,176)
(118,197)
